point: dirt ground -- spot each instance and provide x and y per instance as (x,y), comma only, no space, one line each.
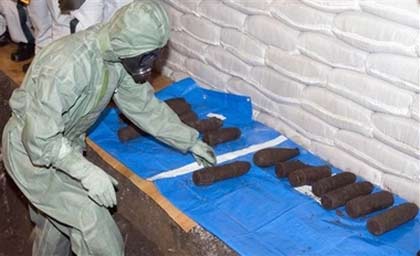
(16,227)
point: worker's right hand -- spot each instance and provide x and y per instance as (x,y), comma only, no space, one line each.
(100,187)
(203,154)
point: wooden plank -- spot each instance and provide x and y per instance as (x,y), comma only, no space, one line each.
(185,222)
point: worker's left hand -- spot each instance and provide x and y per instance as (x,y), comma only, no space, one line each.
(203,154)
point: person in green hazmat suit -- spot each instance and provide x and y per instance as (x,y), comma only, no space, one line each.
(68,85)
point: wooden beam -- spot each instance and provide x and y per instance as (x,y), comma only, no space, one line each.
(185,222)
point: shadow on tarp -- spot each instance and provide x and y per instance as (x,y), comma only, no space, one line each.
(256,214)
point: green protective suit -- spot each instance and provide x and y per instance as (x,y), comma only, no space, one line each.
(68,85)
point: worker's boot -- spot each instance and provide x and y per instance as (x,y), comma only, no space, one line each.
(4,39)
(23,52)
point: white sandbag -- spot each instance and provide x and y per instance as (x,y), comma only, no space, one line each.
(226,62)
(297,66)
(201,29)
(207,85)
(400,70)
(174,16)
(276,86)
(305,123)
(337,111)
(166,71)
(333,5)
(207,73)
(407,189)
(374,34)
(185,6)
(398,132)
(243,46)
(302,17)
(175,60)
(187,45)
(348,163)
(222,14)
(241,87)
(379,155)
(332,51)
(402,11)
(250,7)
(285,129)
(272,32)
(177,76)
(260,101)
(415,108)
(370,92)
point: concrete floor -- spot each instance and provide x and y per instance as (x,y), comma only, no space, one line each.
(12,69)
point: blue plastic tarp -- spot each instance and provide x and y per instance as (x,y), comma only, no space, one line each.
(255,214)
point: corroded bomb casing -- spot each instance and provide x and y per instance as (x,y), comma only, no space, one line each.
(284,169)
(331,183)
(340,196)
(207,125)
(209,175)
(270,156)
(178,105)
(129,133)
(392,218)
(222,135)
(308,175)
(361,206)
(189,118)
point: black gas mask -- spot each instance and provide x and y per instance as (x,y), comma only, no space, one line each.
(140,67)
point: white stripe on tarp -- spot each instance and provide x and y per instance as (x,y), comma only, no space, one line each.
(220,159)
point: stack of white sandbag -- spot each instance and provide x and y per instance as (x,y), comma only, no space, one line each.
(340,77)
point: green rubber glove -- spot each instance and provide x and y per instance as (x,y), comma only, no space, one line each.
(203,154)
(100,187)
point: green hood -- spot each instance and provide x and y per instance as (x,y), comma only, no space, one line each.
(136,28)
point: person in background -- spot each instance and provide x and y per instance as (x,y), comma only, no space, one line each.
(51,23)
(19,29)
(68,85)
(4,37)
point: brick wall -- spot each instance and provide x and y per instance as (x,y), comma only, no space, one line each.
(340,77)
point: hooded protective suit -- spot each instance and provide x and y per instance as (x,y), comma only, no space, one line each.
(68,85)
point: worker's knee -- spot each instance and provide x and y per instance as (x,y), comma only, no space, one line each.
(99,231)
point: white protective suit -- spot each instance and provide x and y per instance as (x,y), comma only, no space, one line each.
(10,12)
(50,24)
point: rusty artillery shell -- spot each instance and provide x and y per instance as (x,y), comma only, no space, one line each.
(361,206)
(222,135)
(308,175)
(207,125)
(178,105)
(284,169)
(129,133)
(210,175)
(189,117)
(392,218)
(340,196)
(270,156)
(331,183)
